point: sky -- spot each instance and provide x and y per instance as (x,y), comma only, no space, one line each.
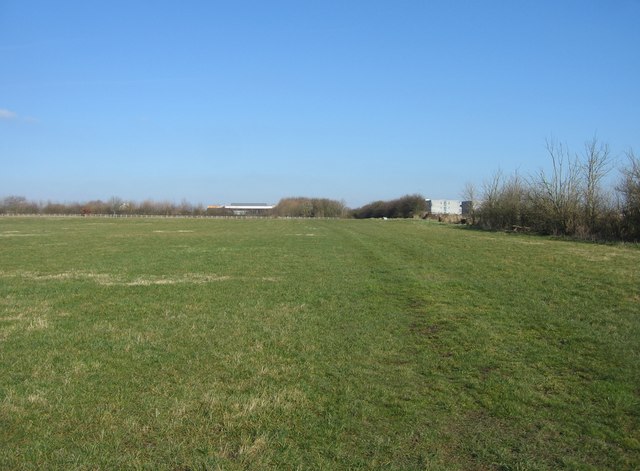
(216,102)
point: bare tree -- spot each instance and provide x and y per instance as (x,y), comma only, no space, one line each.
(488,213)
(596,165)
(557,195)
(115,204)
(469,193)
(504,202)
(18,205)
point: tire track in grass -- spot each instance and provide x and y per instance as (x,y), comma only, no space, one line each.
(407,366)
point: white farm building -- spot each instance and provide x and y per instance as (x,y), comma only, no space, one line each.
(240,209)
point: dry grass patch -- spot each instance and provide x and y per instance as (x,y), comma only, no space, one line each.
(23,315)
(106,279)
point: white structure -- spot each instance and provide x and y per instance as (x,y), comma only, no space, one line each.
(248,206)
(444,206)
(241,209)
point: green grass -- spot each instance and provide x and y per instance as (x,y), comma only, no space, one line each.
(186,344)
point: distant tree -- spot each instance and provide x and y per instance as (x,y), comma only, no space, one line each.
(98,207)
(18,205)
(405,207)
(147,207)
(289,207)
(73,208)
(184,208)
(199,210)
(470,194)
(309,207)
(305,207)
(375,209)
(55,208)
(115,205)
(410,206)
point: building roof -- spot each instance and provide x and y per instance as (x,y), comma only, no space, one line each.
(249,206)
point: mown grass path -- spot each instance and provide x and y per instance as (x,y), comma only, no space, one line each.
(313,344)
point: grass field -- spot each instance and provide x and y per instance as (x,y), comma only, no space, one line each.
(186,344)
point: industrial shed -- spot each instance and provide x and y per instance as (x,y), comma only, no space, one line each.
(241,209)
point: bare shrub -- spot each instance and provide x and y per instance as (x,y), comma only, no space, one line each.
(629,189)
(505,203)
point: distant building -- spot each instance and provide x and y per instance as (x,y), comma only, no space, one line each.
(444,206)
(240,209)
(467,207)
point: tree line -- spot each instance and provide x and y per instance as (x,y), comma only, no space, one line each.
(310,208)
(570,199)
(405,207)
(114,206)
(286,207)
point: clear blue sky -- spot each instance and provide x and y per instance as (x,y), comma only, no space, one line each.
(252,101)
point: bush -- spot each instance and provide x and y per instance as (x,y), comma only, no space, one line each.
(405,207)
(569,200)
(506,203)
(310,207)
